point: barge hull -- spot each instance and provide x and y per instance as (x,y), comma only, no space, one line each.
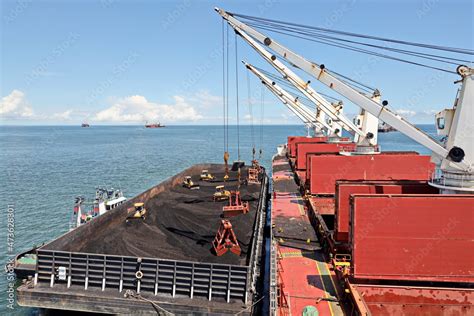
(183,286)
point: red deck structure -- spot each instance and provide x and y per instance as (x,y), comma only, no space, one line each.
(303,150)
(293,140)
(421,237)
(344,190)
(413,300)
(325,170)
(402,254)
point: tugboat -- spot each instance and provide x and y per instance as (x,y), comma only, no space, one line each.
(104,201)
(154,125)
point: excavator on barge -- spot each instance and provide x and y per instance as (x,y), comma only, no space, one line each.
(357,231)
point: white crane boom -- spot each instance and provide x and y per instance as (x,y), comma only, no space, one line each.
(324,76)
(302,86)
(289,100)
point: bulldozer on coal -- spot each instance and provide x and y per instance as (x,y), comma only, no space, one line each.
(206,175)
(221,194)
(188,183)
(136,212)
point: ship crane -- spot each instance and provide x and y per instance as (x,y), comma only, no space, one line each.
(457,153)
(366,138)
(310,118)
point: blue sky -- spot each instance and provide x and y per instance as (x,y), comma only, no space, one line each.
(123,62)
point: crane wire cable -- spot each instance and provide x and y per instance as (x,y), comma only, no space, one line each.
(249,101)
(237,96)
(439,58)
(262,113)
(290,86)
(355,84)
(364,51)
(223,85)
(344,33)
(227,96)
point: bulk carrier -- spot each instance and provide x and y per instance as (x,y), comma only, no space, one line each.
(353,230)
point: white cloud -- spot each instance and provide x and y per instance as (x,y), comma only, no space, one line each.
(423,117)
(406,113)
(64,116)
(138,109)
(203,99)
(15,106)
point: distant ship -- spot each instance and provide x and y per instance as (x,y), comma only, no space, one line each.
(384,128)
(154,125)
(85,125)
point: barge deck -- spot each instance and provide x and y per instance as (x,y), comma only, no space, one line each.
(163,262)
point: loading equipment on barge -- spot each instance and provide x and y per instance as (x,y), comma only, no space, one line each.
(159,259)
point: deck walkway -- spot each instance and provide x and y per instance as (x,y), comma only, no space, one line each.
(303,275)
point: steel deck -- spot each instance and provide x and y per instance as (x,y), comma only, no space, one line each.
(302,275)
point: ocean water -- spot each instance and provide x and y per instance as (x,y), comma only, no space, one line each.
(42,169)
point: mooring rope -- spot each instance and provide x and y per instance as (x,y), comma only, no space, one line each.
(132,294)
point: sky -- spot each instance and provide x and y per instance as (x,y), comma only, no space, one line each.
(126,62)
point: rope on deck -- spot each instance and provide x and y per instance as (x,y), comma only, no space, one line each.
(132,294)
(250,306)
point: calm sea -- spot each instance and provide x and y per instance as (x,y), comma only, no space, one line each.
(43,168)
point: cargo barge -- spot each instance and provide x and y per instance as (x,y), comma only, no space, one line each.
(162,261)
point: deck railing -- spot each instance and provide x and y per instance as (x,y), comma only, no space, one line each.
(149,275)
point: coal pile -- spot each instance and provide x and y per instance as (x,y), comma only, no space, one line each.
(180,224)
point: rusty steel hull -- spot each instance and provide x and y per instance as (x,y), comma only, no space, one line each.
(402,300)
(413,237)
(344,189)
(325,170)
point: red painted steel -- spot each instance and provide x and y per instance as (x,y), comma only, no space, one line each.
(325,170)
(304,149)
(292,140)
(304,274)
(322,205)
(396,300)
(413,237)
(308,165)
(344,189)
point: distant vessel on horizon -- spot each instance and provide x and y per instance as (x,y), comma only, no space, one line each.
(85,125)
(153,125)
(385,128)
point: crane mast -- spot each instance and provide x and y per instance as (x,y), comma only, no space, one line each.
(457,153)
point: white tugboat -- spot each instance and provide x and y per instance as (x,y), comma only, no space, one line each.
(104,201)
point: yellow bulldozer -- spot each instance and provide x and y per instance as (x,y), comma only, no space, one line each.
(188,183)
(221,193)
(206,176)
(137,211)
